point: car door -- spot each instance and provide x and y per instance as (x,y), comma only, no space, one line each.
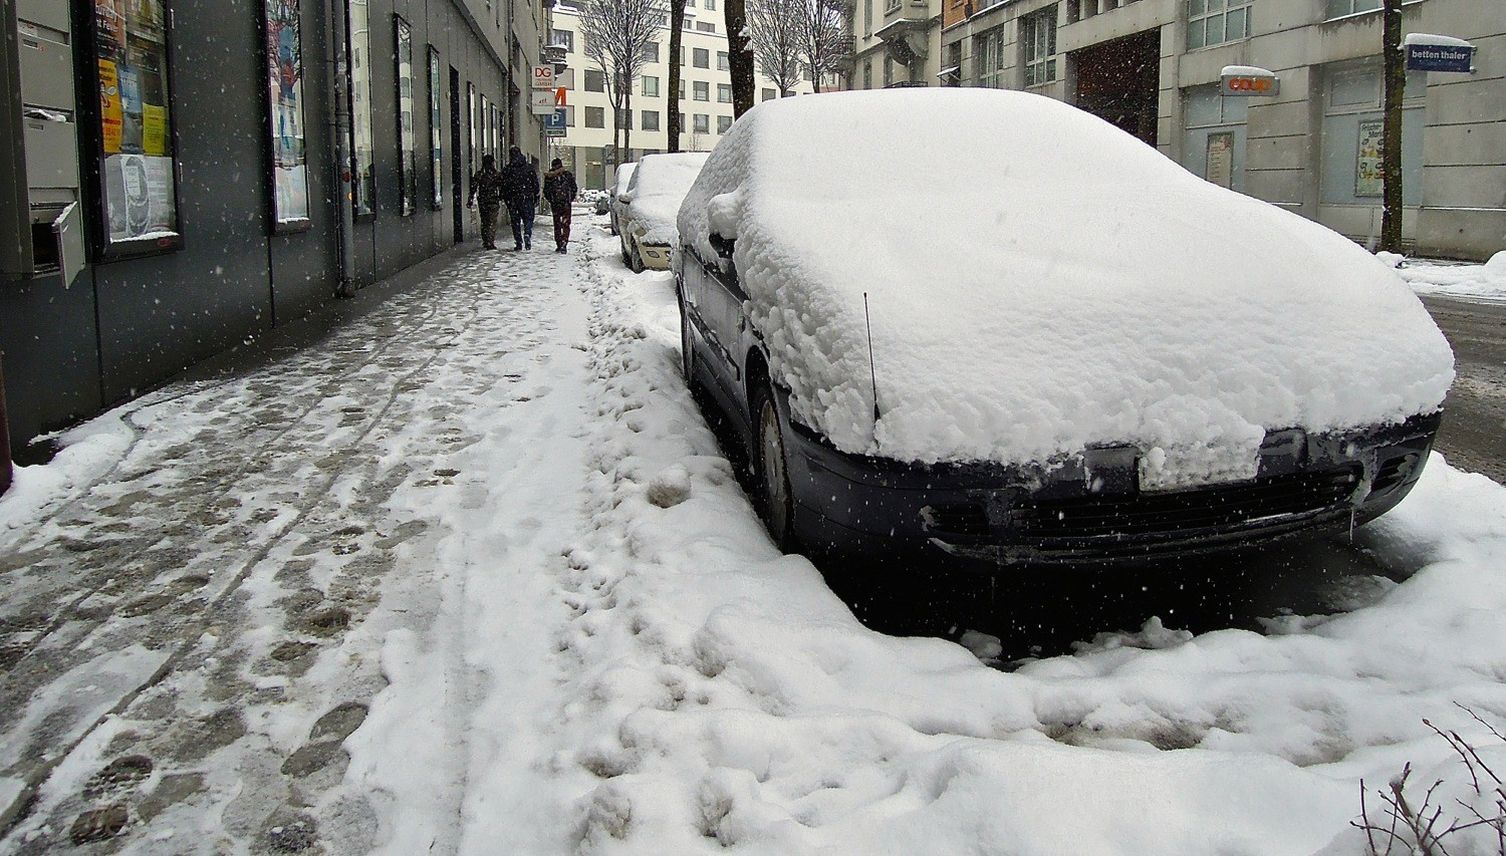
(722,301)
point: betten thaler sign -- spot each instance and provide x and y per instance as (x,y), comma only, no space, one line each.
(1439,53)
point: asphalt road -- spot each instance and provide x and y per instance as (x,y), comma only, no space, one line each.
(1473,436)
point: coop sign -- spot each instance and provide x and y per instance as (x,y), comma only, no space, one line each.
(1246,80)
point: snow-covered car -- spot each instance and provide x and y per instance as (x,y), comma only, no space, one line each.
(1082,354)
(650,205)
(620,183)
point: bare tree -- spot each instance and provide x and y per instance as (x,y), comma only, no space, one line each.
(617,35)
(739,56)
(1395,83)
(775,28)
(676,25)
(826,39)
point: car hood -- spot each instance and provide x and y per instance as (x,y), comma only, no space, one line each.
(1071,287)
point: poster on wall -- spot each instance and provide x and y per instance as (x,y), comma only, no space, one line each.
(407,135)
(284,45)
(136,159)
(363,155)
(1221,159)
(1369,173)
(436,141)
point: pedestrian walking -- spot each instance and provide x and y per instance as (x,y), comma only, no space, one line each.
(520,190)
(560,190)
(486,185)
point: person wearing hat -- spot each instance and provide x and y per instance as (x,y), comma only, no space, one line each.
(487,184)
(560,190)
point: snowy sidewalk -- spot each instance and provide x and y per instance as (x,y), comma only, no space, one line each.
(189,636)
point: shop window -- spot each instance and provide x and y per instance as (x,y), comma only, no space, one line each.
(1214,136)
(1351,142)
(363,155)
(135,149)
(436,133)
(407,134)
(284,43)
(1213,22)
(1038,35)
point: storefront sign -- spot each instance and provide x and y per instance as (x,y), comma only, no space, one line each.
(543,77)
(556,123)
(1221,159)
(1248,81)
(1452,58)
(1368,170)
(541,102)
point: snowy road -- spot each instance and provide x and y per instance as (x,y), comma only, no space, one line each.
(471,575)
(1474,429)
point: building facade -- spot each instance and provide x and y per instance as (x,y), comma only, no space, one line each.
(898,43)
(1152,68)
(189,173)
(704,100)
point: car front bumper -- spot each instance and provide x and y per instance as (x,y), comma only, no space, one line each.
(1090,508)
(654,256)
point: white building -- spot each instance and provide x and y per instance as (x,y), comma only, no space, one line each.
(705,97)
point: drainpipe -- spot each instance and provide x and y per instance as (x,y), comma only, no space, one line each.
(337,71)
(5,471)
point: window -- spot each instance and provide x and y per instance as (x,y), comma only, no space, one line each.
(596,117)
(363,187)
(564,37)
(680,121)
(724,93)
(407,136)
(650,120)
(650,86)
(891,6)
(625,120)
(595,80)
(1214,135)
(723,124)
(682,52)
(1213,22)
(705,26)
(1340,8)
(709,5)
(702,123)
(990,59)
(1353,146)
(888,69)
(700,58)
(651,52)
(436,133)
(682,89)
(290,193)
(868,73)
(1038,35)
(767,94)
(702,90)
(721,61)
(470,124)
(867,18)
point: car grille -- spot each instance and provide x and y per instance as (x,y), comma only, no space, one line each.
(1185,513)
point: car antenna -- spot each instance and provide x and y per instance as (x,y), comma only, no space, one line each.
(872,377)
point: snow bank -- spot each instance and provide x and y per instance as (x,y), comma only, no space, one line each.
(1481,282)
(719,696)
(658,186)
(88,453)
(1085,289)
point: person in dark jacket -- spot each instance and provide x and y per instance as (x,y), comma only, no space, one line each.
(487,184)
(520,190)
(560,190)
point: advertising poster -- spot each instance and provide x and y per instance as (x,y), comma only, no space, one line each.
(407,135)
(110,115)
(1221,159)
(436,154)
(290,195)
(139,190)
(153,130)
(1368,171)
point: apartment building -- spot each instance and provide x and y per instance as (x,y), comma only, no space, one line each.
(1152,67)
(185,174)
(704,100)
(898,43)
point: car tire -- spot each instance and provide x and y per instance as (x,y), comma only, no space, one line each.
(771,475)
(635,261)
(622,242)
(687,343)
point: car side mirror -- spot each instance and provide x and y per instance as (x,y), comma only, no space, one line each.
(723,246)
(624,196)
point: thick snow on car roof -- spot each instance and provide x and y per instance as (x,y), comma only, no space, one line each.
(1078,288)
(624,175)
(659,184)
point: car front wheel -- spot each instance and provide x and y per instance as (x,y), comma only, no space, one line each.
(771,471)
(635,259)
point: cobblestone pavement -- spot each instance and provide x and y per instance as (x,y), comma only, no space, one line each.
(188,638)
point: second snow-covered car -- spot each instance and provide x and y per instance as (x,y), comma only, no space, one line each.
(620,184)
(650,205)
(1074,352)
